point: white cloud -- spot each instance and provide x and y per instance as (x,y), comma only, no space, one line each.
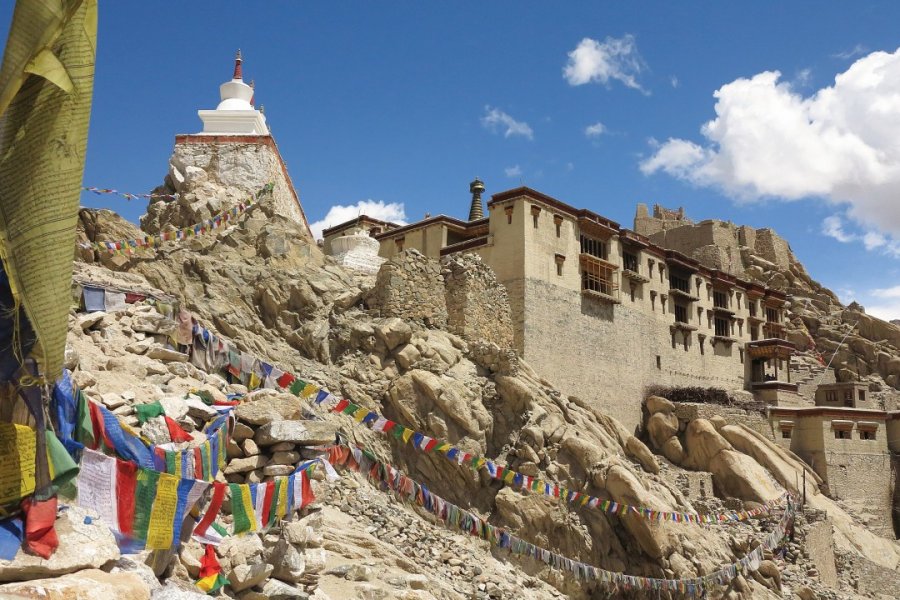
(674,81)
(873,240)
(595,130)
(857,50)
(836,227)
(887,306)
(496,120)
(513,171)
(377,209)
(833,227)
(803,78)
(841,144)
(614,58)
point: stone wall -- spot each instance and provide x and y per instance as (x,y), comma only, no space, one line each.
(819,543)
(773,248)
(754,419)
(870,577)
(608,354)
(477,305)
(864,482)
(211,174)
(410,286)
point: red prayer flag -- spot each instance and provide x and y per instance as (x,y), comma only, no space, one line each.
(430,445)
(285,380)
(40,536)
(176,433)
(340,406)
(214,505)
(97,424)
(126,484)
(307,496)
(198,463)
(267,501)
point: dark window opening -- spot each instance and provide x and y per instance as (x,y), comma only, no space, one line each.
(753,308)
(630,261)
(720,299)
(678,282)
(722,327)
(681,312)
(862,396)
(772,315)
(658,361)
(867,435)
(593,246)
(786,434)
(841,434)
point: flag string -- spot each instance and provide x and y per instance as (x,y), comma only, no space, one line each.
(127,247)
(262,374)
(127,195)
(413,492)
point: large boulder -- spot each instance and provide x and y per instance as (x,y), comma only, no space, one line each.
(263,409)
(85,542)
(88,584)
(303,433)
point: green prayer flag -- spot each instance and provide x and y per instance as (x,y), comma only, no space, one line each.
(84,433)
(239,511)
(145,412)
(297,387)
(144,496)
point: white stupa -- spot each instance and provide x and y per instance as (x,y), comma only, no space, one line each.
(235,114)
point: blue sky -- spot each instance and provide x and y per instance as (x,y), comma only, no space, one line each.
(405,102)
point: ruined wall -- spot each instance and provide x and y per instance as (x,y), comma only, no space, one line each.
(410,286)
(772,247)
(716,244)
(752,418)
(215,173)
(477,305)
(819,542)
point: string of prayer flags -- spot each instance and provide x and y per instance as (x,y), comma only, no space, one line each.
(220,354)
(128,196)
(146,508)
(150,241)
(413,492)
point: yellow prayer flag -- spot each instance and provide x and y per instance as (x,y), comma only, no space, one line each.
(407,433)
(43,136)
(247,501)
(254,381)
(162,515)
(308,390)
(281,504)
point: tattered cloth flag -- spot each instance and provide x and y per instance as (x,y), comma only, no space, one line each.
(211,578)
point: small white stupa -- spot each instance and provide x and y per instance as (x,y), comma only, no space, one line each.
(235,114)
(357,251)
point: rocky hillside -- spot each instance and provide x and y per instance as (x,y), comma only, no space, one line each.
(260,285)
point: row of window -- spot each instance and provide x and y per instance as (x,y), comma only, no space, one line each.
(839,434)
